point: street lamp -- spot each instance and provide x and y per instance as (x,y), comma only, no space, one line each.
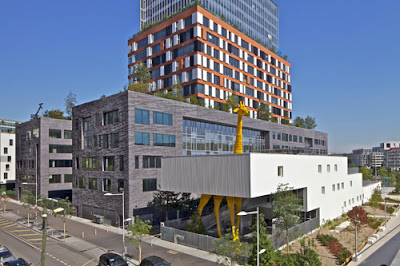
(243,213)
(123,218)
(36,193)
(385,211)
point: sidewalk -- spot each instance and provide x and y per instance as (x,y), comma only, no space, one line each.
(98,235)
(392,228)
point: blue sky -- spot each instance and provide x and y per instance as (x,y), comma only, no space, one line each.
(344,55)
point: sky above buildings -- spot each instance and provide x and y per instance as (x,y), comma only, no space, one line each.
(344,54)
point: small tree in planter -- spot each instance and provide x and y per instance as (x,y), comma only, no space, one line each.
(359,214)
(139,229)
(64,211)
(376,198)
(28,201)
(5,196)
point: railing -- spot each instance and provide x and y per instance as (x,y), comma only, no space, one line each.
(186,238)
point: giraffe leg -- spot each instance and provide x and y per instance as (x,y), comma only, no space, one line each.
(238,209)
(231,206)
(203,201)
(217,202)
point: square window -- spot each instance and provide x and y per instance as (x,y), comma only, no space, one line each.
(93,183)
(106,185)
(150,184)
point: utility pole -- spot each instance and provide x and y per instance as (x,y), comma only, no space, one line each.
(44,237)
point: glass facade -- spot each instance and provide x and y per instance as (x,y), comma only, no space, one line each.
(206,138)
(257,18)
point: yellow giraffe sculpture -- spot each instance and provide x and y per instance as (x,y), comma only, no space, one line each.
(238,148)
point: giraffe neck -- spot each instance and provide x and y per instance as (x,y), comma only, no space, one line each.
(238,143)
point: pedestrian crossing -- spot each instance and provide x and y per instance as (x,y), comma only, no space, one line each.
(24,233)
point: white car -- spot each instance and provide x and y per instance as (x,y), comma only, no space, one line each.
(6,255)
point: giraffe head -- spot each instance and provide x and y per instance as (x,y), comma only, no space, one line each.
(242,110)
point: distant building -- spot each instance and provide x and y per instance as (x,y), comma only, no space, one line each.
(8,125)
(118,142)
(392,159)
(361,157)
(44,157)
(385,146)
(257,18)
(7,162)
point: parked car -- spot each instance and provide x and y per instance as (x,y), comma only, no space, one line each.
(112,259)
(154,261)
(6,255)
(18,262)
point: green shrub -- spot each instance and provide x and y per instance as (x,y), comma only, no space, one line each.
(325,239)
(343,255)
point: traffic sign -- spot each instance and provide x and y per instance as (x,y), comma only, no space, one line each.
(35,209)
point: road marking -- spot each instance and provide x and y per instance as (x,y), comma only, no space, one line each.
(29,235)
(36,239)
(172,252)
(88,262)
(8,225)
(4,223)
(21,230)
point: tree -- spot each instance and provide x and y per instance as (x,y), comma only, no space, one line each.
(232,101)
(5,196)
(175,93)
(28,201)
(298,122)
(70,102)
(230,251)
(285,122)
(269,256)
(141,78)
(286,208)
(55,113)
(65,210)
(138,230)
(359,214)
(310,123)
(165,200)
(196,224)
(193,100)
(375,199)
(263,112)
(366,173)
(382,172)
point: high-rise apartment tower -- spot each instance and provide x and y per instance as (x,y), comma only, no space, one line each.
(257,18)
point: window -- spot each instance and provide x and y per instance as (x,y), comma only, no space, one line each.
(300,139)
(111,117)
(323,190)
(67,178)
(351,183)
(319,168)
(90,164)
(107,184)
(164,140)
(8,158)
(60,163)
(162,118)
(284,137)
(142,116)
(280,171)
(120,185)
(333,187)
(137,162)
(11,142)
(279,136)
(149,184)
(342,185)
(55,133)
(104,141)
(93,183)
(273,135)
(352,200)
(5,150)
(5,175)
(121,163)
(81,182)
(86,124)
(54,179)
(53,148)
(67,134)
(344,203)
(338,186)
(151,162)
(142,138)
(335,167)
(7,167)
(115,140)
(108,163)
(328,168)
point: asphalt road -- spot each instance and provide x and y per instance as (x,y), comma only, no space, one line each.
(26,243)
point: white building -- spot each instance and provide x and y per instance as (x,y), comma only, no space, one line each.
(385,146)
(7,160)
(322,182)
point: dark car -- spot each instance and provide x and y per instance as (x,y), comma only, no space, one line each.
(154,261)
(6,255)
(18,262)
(112,259)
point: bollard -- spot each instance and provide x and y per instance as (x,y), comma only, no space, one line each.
(95,232)
(83,234)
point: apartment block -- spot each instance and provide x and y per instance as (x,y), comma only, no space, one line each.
(8,125)
(44,157)
(213,60)
(7,160)
(257,18)
(118,142)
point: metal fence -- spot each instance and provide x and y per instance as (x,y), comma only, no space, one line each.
(279,238)
(185,238)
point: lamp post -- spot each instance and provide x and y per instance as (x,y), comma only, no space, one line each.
(355,224)
(385,211)
(44,237)
(243,213)
(123,217)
